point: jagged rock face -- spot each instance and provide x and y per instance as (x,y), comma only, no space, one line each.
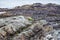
(46,17)
(12,25)
(20,28)
(34,30)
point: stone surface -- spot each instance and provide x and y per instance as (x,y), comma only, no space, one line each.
(46,17)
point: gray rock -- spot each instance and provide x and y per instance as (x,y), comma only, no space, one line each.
(35,28)
(2,32)
(15,23)
(43,22)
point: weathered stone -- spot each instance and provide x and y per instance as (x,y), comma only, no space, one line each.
(48,28)
(35,28)
(2,32)
(43,22)
(15,23)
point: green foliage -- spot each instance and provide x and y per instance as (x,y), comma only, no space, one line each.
(30,19)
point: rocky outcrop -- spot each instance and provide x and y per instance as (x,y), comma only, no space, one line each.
(45,19)
(12,25)
(37,11)
(34,30)
(21,28)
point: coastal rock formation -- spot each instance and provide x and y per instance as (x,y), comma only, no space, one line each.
(31,22)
